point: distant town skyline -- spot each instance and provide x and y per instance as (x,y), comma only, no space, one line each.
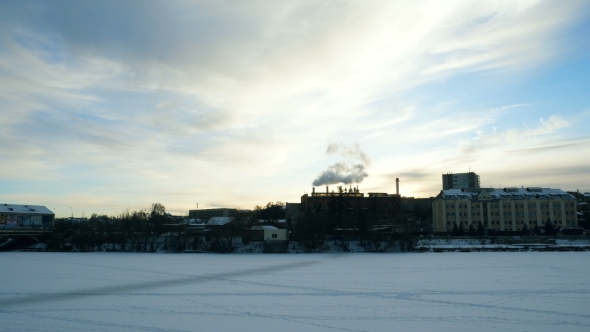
(110,105)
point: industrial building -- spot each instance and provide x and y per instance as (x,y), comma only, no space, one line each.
(206,214)
(25,216)
(377,205)
(503,209)
(460,180)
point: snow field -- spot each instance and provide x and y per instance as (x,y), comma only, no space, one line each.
(486,291)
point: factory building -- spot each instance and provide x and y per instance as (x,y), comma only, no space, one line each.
(25,216)
(460,180)
(504,209)
(206,214)
(377,205)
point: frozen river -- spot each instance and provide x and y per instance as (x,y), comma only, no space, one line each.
(486,291)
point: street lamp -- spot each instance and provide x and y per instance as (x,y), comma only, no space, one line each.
(72,213)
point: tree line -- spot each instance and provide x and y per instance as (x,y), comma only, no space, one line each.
(140,230)
(135,231)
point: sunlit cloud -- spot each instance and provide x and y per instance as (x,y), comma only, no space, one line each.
(238,100)
(515,137)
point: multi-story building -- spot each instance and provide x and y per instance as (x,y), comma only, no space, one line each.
(505,209)
(583,208)
(460,180)
(206,214)
(419,211)
(378,205)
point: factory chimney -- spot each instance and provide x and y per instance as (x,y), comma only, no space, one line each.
(397,186)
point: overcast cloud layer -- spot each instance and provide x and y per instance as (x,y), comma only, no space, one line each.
(111,105)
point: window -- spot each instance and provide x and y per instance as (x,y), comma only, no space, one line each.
(274,236)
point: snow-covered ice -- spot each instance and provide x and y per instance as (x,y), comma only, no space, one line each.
(484,291)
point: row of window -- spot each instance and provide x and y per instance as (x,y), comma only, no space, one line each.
(516,206)
(530,223)
(509,214)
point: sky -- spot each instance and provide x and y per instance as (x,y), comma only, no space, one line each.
(115,105)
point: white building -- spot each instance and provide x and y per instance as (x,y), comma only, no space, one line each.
(271,233)
(504,209)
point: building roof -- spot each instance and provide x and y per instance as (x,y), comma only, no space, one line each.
(25,209)
(219,220)
(509,192)
(260,228)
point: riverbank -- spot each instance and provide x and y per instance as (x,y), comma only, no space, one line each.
(419,244)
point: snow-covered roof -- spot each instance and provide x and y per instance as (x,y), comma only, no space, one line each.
(260,228)
(25,209)
(506,193)
(219,220)
(267,220)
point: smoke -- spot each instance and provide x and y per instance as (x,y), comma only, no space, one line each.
(350,170)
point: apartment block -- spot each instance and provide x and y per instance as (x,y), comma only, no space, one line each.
(504,209)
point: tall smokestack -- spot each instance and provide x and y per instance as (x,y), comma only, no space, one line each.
(326,189)
(397,186)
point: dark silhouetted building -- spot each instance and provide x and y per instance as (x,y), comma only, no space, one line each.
(460,180)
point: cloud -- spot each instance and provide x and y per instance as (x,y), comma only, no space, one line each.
(514,137)
(348,152)
(555,145)
(347,171)
(341,173)
(226,97)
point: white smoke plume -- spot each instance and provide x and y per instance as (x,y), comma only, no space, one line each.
(350,170)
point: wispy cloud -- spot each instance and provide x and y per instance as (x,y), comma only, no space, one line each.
(515,136)
(234,96)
